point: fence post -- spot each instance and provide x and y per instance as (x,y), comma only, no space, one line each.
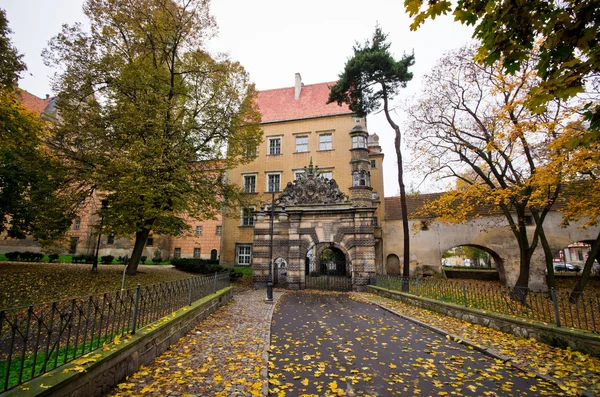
(417,286)
(464,286)
(190,288)
(135,309)
(555,303)
(215,282)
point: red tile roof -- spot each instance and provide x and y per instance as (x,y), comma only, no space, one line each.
(31,102)
(393,210)
(414,202)
(279,104)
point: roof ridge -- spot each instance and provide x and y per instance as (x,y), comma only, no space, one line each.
(292,87)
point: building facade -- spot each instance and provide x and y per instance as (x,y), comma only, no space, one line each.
(304,134)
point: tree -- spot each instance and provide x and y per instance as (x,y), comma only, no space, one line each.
(32,199)
(147,117)
(370,77)
(472,123)
(567,32)
(582,180)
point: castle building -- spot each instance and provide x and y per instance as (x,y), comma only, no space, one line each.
(311,152)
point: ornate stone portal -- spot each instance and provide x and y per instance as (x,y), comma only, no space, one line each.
(313,217)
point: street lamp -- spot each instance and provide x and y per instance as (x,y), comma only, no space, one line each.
(102,209)
(270,279)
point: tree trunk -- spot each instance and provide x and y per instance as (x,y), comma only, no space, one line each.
(587,270)
(521,287)
(550,279)
(406,235)
(397,144)
(138,248)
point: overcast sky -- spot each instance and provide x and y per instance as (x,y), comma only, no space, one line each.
(273,40)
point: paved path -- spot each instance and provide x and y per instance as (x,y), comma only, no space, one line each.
(224,356)
(331,345)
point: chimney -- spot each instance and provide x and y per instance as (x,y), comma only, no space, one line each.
(47,96)
(298,86)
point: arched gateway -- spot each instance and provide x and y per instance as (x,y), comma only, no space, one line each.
(318,231)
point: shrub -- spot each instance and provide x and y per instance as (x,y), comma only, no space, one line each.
(89,258)
(197,265)
(12,256)
(78,258)
(157,259)
(107,259)
(52,257)
(234,274)
(143,259)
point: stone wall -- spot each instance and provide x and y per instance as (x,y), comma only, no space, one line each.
(112,367)
(552,335)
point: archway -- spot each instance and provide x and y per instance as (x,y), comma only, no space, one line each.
(328,268)
(280,269)
(331,261)
(392,265)
(472,256)
(213,255)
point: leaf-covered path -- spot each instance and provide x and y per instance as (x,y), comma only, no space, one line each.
(225,355)
(331,345)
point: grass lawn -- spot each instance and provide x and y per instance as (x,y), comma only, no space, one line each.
(27,283)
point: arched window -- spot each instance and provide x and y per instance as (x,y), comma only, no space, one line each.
(355,179)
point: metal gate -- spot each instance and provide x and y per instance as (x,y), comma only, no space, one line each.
(329,283)
(330,272)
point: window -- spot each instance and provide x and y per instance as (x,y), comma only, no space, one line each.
(198,230)
(301,144)
(219,230)
(273,181)
(274,146)
(77,223)
(327,174)
(374,196)
(110,239)
(358,142)
(325,142)
(373,164)
(244,254)
(247,217)
(196,252)
(150,242)
(528,220)
(177,253)
(298,175)
(250,183)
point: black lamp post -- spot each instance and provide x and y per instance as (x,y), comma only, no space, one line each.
(102,209)
(270,279)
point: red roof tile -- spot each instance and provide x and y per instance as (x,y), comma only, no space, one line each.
(31,102)
(279,104)
(414,202)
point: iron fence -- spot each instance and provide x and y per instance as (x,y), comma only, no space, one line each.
(39,338)
(552,307)
(329,283)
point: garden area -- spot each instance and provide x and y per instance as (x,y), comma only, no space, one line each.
(25,283)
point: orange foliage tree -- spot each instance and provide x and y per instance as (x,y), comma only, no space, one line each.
(472,123)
